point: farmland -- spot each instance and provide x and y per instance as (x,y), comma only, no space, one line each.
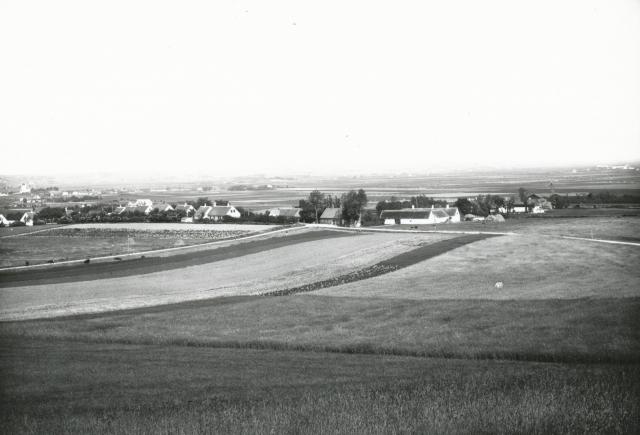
(189,341)
(73,242)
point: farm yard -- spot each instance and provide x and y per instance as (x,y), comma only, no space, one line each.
(382,332)
(80,241)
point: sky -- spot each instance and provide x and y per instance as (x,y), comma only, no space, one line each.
(233,88)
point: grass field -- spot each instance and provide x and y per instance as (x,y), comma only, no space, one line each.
(67,387)
(530,267)
(74,242)
(432,347)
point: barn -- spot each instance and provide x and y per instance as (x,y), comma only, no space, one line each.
(420,216)
(331,216)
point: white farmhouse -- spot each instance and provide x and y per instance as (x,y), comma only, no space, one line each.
(420,216)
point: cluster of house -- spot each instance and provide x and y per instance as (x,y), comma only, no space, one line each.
(213,212)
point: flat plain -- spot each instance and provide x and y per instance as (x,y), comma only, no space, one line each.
(430,347)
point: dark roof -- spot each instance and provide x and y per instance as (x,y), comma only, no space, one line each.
(289,212)
(405,213)
(331,213)
(418,213)
(220,210)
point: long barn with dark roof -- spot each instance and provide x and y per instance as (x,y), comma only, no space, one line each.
(417,216)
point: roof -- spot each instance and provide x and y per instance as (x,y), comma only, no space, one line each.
(184,207)
(289,212)
(406,213)
(220,210)
(331,213)
(419,213)
(202,211)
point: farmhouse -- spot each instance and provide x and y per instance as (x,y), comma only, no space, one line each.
(163,207)
(27,218)
(288,212)
(519,208)
(185,208)
(331,216)
(216,212)
(417,216)
(4,221)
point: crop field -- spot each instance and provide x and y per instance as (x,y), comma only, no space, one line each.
(80,241)
(190,276)
(322,331)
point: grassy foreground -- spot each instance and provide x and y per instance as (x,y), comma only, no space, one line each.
(68,387)
(583,330)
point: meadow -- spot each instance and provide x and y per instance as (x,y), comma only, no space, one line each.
(430,347)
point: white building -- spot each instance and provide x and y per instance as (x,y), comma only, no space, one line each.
(420,216)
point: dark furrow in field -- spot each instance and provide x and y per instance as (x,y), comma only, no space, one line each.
(149,264)
(398,262)
(363,348)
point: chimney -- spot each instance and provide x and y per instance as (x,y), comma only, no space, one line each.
(214,203)
(413,206)
(431,206)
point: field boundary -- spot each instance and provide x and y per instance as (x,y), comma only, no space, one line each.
(156,251)
(383,230)
(613,242)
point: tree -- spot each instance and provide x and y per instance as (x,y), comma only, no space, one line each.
(201,201)
(316,199)
(523,194)
(464,205)
(352,205)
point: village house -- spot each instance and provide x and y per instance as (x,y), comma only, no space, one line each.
(420,216)
(285,212)
(331,216)
(216,212)
(163,208)
(185,208)
(27,218)
(4,221)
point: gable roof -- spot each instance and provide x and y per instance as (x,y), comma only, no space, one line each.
(419,213)
(221,210)
(331,213)
(289,212)
(408,213)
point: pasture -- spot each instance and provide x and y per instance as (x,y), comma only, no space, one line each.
(190,343)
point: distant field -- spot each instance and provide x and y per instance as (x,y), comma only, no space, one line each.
(80,241)
(611,228)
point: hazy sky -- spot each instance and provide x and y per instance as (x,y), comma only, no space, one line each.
(273,86)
